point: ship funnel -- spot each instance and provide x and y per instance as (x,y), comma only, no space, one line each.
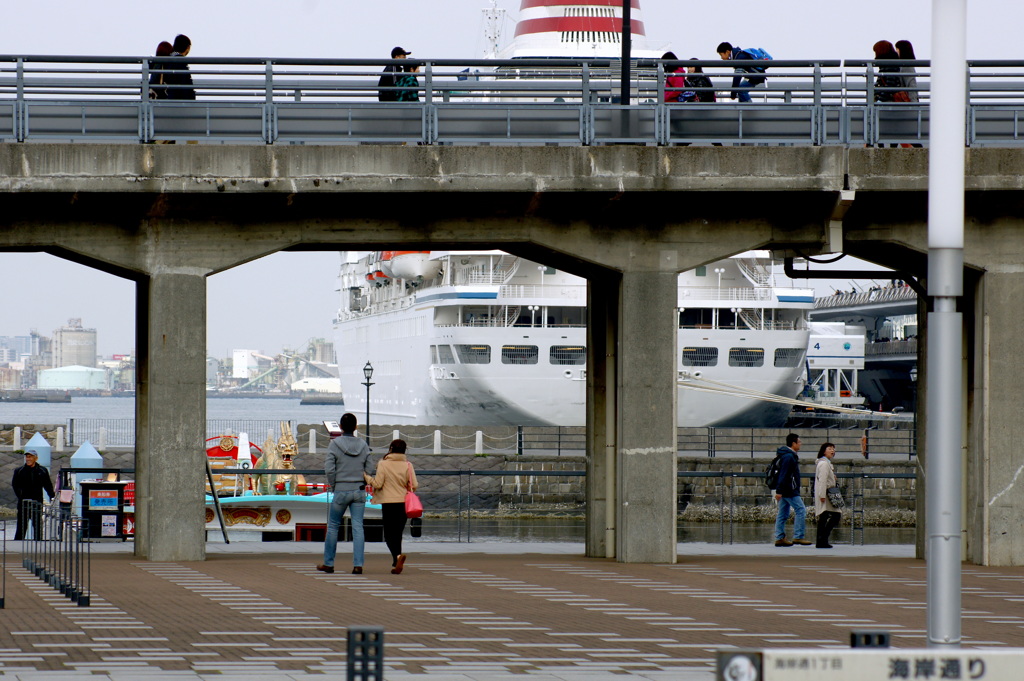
(575,28)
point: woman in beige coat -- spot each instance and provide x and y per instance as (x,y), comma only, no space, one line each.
(825,477)
(395,476)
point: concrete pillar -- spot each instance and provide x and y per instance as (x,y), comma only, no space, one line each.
(603,295)
(995,461)
(646,401)
(171,417)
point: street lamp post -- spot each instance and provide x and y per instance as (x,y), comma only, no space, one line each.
(368,374)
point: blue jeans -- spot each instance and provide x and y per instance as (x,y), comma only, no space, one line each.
(799,523)
(355,501)
(744,95)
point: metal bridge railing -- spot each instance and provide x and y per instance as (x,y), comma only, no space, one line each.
(522,101)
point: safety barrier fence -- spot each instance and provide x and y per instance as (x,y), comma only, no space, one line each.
(56,549)
(894,435)
(550,505)
(520,101)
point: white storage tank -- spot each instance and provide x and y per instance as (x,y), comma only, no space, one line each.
(73,378)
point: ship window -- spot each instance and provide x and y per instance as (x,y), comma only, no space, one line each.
(519,354)
(702,271)
(567,354)
(746,357)
(444,354)
(788,357)
(700,357)
(474,354)
(433,354)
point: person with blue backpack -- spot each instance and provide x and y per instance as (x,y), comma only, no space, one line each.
(741,84)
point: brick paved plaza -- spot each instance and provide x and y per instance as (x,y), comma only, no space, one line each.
(476,611)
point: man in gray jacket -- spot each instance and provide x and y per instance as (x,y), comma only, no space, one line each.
(348,457)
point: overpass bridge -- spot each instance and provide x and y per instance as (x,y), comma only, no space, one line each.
(628,217)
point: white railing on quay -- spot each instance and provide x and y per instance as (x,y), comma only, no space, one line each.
(522,101)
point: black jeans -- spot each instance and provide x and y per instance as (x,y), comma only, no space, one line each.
(29,512)
(827,522)
(393,516)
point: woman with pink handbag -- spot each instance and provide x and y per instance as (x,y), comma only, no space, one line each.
(394,482)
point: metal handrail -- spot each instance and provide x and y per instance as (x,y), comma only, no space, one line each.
(472,101)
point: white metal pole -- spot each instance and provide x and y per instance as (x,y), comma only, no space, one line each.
(947,115)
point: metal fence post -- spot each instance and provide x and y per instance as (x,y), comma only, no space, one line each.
(519,440)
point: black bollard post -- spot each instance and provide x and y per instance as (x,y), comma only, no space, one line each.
(365,654)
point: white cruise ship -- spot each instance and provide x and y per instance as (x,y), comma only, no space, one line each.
(487,338)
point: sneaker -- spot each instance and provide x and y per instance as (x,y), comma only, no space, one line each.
(802,542)
(783,542)
(357,570)
(329,569)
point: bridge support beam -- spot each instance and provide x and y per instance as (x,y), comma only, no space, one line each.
(632,418)
(170,412)
(995,465)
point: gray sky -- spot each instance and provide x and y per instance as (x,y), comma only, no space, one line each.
(286,299)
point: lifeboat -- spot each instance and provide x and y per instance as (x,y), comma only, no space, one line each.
(413,265)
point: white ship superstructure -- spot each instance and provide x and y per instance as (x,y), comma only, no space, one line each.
(577,28)
(487,338)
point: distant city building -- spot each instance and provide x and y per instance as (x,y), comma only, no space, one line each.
(321,350)
(212,372)
(74,378)
(243,363)
(74,345)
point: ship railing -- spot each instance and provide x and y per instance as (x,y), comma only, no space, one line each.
(522,101)
(573,292)
(692,294)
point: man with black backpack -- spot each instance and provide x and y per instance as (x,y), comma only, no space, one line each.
(741,84)
(787,494)
(387,85)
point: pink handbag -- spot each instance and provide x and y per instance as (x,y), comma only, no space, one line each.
(413,505)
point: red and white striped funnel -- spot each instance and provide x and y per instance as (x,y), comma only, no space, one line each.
(576,28)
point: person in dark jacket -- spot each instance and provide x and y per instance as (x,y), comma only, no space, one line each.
(157,90)
(348,460)
(178,76)
(787,494)
(741,84)
(889,81)
(29,483)
(697,79)
(387,85)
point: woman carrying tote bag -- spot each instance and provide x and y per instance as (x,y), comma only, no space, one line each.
(395,477)
(824,480)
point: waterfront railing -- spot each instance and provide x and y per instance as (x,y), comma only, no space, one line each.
(852,434)
(728,505)
(521,101)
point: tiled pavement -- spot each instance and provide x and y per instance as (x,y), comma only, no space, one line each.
(476,611)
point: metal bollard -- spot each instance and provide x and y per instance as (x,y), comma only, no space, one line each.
(869,638)
(437,442)
(365,654)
